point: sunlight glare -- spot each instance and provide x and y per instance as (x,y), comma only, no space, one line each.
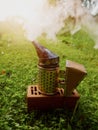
(22,8)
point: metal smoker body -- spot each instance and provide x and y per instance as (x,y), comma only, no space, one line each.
(48,70)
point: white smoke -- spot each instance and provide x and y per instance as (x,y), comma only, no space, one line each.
(92,6)
(50,19)
(43,18)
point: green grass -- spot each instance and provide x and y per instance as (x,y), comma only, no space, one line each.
(18,69)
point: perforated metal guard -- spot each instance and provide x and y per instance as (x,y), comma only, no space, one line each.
(47,80)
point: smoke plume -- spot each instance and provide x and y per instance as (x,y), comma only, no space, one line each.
(49,19)
(41,17)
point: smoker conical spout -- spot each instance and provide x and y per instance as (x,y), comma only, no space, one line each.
(46,57)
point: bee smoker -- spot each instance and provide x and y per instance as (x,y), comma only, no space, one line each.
(55,88)
(50,77)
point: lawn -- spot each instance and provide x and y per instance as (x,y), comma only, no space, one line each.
(18,70)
